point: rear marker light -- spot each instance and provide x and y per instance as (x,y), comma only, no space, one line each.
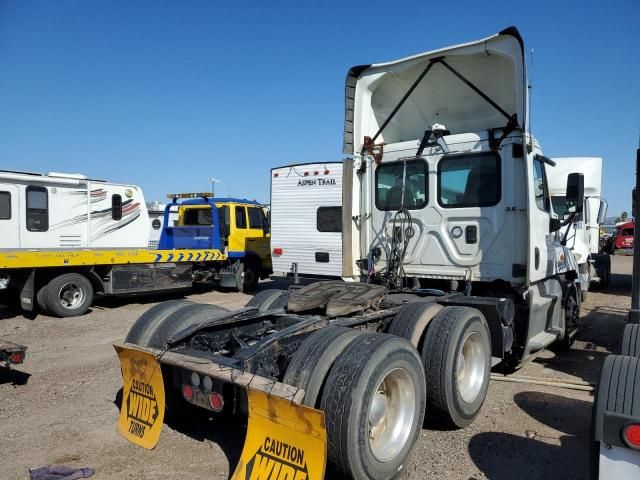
(631,435)
(275,174)
(207,383)
(306,174)
(316,173)
(216,402)
(195,379)
(327,172)
(277,251)
(187,392)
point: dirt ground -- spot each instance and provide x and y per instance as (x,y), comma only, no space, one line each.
(59,407)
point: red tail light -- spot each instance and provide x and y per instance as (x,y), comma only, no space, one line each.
(16,357)
(187,392)
(277,251)
(216,401)
(631,435)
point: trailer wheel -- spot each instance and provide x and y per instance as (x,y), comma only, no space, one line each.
(187,315)
(312,361)
(69,295)
(374,402)
(618,393)
(269,299)
(630,345)
(456,354)
(147,323)
(412,320)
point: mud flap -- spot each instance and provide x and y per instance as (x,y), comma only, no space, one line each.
(142,411)
(285,441)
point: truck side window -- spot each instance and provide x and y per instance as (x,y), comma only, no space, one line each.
(469,181)
(329,219)
(116,207)
(401,184)
(5,205)
(223,220)
(539,185)
(241,218)
(197,216)
(256,218)
(37,209)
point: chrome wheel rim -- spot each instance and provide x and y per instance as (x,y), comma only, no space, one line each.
(471,367)
(391,414)
(71,295)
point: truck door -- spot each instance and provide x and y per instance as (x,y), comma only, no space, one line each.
(257,236)
(9,216)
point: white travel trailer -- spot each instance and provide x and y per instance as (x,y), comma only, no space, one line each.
(68,211)
(306,219)
(583,236)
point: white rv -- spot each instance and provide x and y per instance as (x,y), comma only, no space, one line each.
(68,211)
(583,236)
(306,219)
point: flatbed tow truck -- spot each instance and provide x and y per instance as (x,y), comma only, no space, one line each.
(223,240)
(451,265)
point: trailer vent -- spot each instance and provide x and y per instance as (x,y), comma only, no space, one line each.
(70,241)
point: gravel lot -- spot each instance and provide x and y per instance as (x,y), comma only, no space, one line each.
(59,406)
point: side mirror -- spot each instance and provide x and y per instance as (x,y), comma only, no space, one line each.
(555,224)
(602,213)
(575,191)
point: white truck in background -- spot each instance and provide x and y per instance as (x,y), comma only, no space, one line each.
(306,220)
(583,236)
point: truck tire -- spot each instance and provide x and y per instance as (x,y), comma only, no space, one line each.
(618,392)
(571,318)
(183,317)
(41,299)
(150,319)
(269,299)
(456,354)
(68,295)
(313,360)
(374,403)
(631,341)
(583,295)
(411,321)
(250,276)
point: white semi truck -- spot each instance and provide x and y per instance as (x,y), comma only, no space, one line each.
(451,264)
(583,236)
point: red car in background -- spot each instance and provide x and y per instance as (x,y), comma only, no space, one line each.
(624,236)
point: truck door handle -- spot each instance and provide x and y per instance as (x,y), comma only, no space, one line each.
(471,234)
(537,257)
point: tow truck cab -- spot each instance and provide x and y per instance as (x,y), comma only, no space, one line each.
(239,227)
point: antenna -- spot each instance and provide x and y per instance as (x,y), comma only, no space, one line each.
(213,181)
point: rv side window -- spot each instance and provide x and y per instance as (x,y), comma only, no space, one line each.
(469,181)
(401,184)
(241,218)
(256,218)
(329,219)
(37,209)
(539,185)
(116,207)
(5,205)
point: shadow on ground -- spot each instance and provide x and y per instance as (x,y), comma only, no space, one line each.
(13,376)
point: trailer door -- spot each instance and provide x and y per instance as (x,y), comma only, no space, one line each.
(9,216)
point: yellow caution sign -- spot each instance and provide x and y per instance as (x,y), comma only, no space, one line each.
(142,410)
(285,441)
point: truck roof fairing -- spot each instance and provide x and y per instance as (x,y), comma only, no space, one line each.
(495,65)
(591,167)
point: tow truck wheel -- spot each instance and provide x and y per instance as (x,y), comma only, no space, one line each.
(374,403)
(315,357)
(69,295)
(269,299)
(456,354)
(571,318)
(630,345)
(250,276)
(41,299)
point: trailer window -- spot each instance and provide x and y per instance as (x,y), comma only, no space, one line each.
(37,209)
(5,205)
(197,216)
(401,184)
(329,219)
(241,218)
(469,181)
(116,207)
(256,218)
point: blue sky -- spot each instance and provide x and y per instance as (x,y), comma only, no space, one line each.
(166,94)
